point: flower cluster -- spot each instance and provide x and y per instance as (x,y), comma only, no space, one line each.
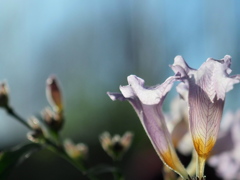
(44,132)
(203,90)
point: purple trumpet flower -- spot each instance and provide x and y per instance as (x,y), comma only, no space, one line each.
(226,159)
(147,103)
(207,87)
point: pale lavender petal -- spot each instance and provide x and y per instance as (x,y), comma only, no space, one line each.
(235,128)
(178,111)
(227,162)
(116,96)
(149,96)
(179,61)
(155,126)
(226,166)
(227,122)
(177,120)
(179,71)
(153,122)
(179,131)
(213,78)
(234,80)
(182,90)
(204,119)
(224,143)
(185,146)
(227,62)
(226,134)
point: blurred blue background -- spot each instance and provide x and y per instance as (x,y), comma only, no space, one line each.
(92,46)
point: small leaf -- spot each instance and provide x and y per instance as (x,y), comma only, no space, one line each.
(12,158)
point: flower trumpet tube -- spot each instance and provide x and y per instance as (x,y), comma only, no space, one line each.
(207,87)
(147,103)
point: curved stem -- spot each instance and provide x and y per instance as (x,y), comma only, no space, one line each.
(117,174)
(57,148)
(192,166)
(79,166)
(12,113)
(60,151)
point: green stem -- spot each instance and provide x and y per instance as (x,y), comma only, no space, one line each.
(79,166)
(117,174)
(12,113)
(60,151)
(57,148)
(200,167)
(192,166)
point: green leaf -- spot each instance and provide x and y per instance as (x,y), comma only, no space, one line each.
(101,169)
(12,158)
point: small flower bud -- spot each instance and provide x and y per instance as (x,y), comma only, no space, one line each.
(53,93)
(36,135)
(116,146)
(105,140)
(76,151)
(126,140)
(34,123)
(4,95)
(53,119)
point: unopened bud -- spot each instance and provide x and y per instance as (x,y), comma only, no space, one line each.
(53,93)
(36,135)
(4,94)
(116,146)
(126,140)
(54,120)
(105,140)
(76,151)
(34,123)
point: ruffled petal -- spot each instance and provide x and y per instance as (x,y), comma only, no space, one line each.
(116,96)
(182,90)
(148,96)
(214,79)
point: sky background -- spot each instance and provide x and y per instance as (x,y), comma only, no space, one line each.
(92,46)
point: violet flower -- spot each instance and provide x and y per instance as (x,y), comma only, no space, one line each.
(207,87)
(226,159)
(147,103)
(177,123)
